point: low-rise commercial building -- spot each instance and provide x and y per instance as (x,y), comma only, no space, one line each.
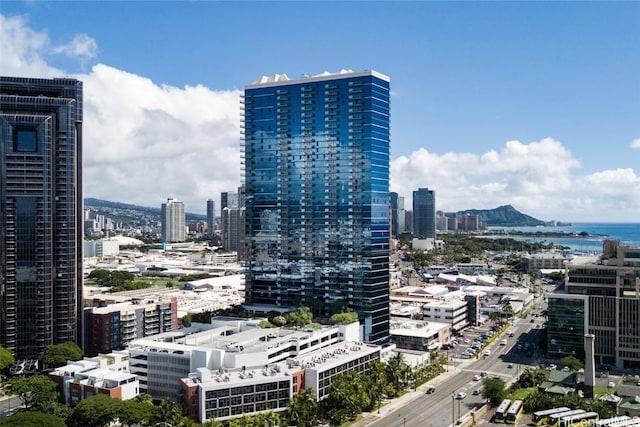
(105,374)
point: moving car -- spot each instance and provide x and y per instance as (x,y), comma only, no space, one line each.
(476,377)
(431,390)
(461,395)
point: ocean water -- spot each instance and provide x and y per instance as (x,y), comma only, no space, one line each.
(627,233)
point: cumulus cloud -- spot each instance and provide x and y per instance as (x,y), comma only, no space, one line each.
(82,46)
(539,178)
(144,142)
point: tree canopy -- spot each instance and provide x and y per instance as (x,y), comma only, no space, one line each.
(96,411)
(6,358)
(299,317)
(572,363)
(56,355)
(32,419)
(35,392)
(343,318)
(494,390)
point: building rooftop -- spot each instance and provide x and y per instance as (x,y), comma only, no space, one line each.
(283,79)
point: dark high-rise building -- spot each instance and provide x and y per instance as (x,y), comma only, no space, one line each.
(424,214)
(228,199)
(41,218)
(232,224)
(317,195)
(211,216)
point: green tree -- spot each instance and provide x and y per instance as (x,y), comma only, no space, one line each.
(572,362)
(6,358)
(303,409)
(135,412)
(186,320)
(494,390)
(35,392)
(376,383)
(100,276)
(346,398)
(531,377)
(32,419)
(56,355)
(96,411)
(300,317)
(279,320)
(507,309)
(166,411)
(536,401)
(265,324)
(603,408)
(343,318)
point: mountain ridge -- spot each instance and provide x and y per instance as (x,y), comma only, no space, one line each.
(506,216)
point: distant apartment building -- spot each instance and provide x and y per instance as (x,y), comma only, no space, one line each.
(452,312)
(112,326)
(106,374)
(442,222)
(211,216)
(101,248)
(468,222)
(173,221)
(232,227)
(602,297)
(228,199)
(424,214)
(547,261)
(41,213)
(397,214)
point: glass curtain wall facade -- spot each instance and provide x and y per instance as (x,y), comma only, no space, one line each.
(41,214)
(317,195)
(424,214)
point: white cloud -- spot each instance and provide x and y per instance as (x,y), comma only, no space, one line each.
(635,143)
(82,46)
(539,178)
(144,142)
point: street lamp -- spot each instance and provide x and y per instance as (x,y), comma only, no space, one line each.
(453,410)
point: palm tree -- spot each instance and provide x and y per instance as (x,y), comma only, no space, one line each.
(303,409)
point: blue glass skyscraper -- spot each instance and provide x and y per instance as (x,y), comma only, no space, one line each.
(316,153)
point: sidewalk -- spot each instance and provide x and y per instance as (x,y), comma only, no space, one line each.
(390,406)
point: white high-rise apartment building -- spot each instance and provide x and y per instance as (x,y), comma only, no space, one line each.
(173,221)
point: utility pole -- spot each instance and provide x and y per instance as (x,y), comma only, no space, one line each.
(453,410)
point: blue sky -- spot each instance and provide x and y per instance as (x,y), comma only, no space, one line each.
(534,104)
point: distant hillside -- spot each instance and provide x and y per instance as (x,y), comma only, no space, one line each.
(506,216)
(99,204)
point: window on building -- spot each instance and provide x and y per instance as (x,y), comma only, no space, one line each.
(25,141)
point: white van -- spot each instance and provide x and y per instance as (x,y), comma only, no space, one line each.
(503,341)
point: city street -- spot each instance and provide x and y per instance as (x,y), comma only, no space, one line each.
(442,409)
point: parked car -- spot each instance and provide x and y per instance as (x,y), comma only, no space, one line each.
(510,365)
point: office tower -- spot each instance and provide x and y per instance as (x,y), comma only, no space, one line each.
(316,177)
(241,197)
(211,216)
(397,215)
(602,298)
(232,222)
(228,199)
(173,221)
(424,214)
(41,218)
